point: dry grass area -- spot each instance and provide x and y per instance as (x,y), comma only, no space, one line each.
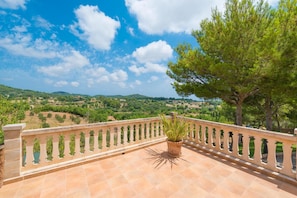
(33,122)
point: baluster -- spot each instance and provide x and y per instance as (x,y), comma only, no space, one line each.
(190,132)
(203,136)
(287,161)
(271,159)
(118,129)
(137,133)
(43,155)
(111,139)
(125,130)
(131,129)
(87,143)
(118,135)
(197,128)
(77,144)
(104,143)
(245,147)
(235,148)
(96,142)
(257,151)
(218,138)
(226,142)
(142,132)
(158,133)
(67,146)
(148,131)
(55,147)
(212,137)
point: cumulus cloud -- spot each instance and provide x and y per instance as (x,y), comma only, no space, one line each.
(13,4)
(172,16)
(68,63)
(146,68)
(24,45)
(154,52)
(95,27)
(61,83)
(149,58)
(101,75)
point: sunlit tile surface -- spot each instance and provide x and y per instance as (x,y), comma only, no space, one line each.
(150,172)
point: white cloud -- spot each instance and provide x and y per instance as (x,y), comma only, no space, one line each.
(69,63)
(13,4)
(131,31)
(150,57)
(23,45)
(148,67)
(41,22)
(74,84)
(101,75)
(21,28)
(95,27)
(153,78)
(61,83)
(119,76)
(172,16)
(135,83)
(154,52)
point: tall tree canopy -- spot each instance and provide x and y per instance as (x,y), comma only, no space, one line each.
(227,63)
(279,58)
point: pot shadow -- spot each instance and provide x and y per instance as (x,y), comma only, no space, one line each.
(162,158)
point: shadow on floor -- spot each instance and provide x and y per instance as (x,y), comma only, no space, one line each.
(162,158)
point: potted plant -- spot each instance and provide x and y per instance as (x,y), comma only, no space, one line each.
(175,129)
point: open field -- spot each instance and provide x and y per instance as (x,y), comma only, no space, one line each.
(33,122)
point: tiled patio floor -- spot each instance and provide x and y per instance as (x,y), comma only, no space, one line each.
(149,172)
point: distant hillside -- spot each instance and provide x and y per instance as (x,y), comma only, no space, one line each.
(15,92)
(61,93)
(11,92)
(133,96)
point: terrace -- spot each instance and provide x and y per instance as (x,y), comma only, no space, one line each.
(129,159)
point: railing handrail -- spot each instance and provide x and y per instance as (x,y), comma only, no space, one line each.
(252,131)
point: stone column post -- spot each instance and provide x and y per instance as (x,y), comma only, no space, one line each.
(12,150)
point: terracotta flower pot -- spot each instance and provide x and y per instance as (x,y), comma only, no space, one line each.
(174,148)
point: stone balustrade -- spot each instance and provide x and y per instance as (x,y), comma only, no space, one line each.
(29,152)
(36,151)
(260,149)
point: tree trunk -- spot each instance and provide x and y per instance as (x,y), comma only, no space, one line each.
(268,113)
(239,114)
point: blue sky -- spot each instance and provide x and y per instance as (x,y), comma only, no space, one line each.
(102,47)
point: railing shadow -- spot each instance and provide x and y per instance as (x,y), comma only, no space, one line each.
(162,158)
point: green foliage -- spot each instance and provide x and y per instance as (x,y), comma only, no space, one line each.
(11,112)
(174,128)
(59,118)
(45,125)
(225,65)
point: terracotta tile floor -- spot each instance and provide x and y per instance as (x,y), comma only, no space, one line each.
(149,172)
